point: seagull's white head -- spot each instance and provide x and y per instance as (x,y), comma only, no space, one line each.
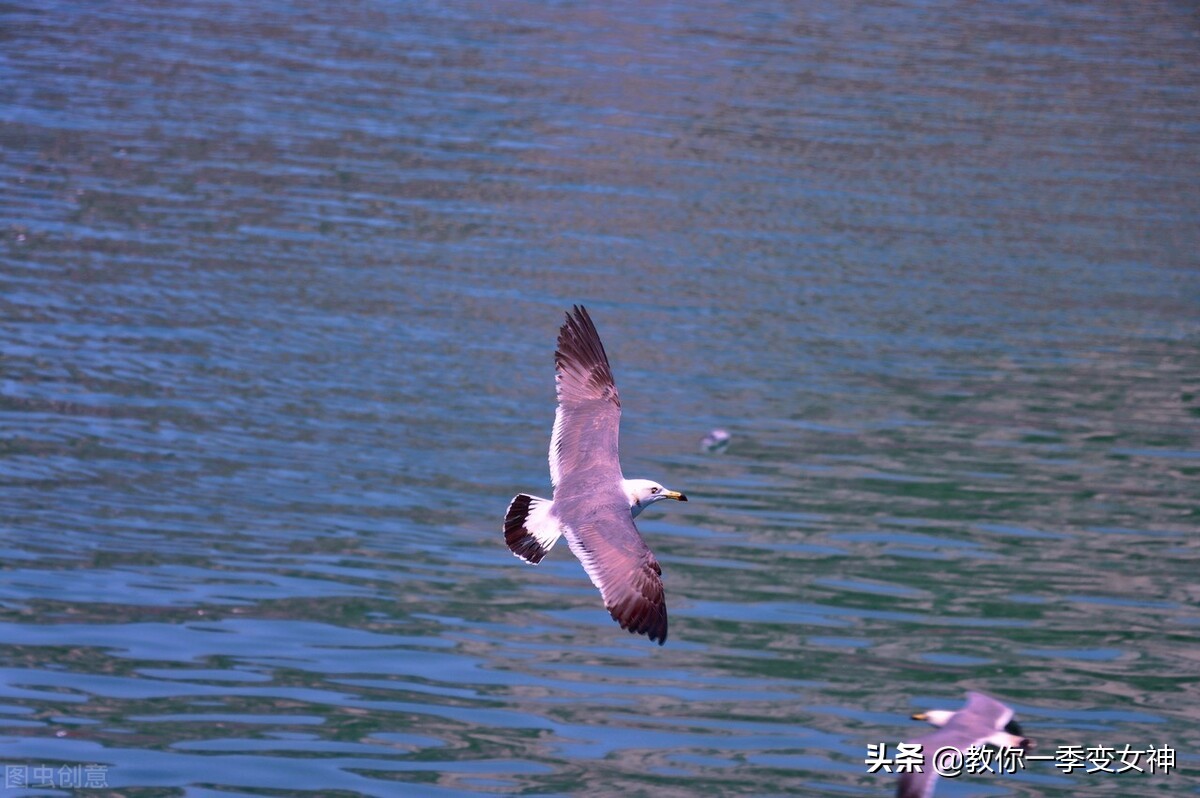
(643,492)
(938,717)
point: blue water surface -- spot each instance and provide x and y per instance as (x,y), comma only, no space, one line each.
(279,290)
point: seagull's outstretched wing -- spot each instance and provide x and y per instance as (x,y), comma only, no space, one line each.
(622,566)
(955,734)
(588,418)
(920,785)
(985,713)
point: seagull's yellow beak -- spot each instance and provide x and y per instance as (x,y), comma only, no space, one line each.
(674,494)
(919,716)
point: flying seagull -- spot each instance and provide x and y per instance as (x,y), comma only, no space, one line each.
(983,721)
(594,505)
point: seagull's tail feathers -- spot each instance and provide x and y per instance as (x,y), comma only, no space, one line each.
(529,528)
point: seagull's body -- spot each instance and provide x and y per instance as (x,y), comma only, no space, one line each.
(983,721)
(594,505)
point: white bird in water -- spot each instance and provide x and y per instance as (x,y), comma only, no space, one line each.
(983,721)
(715,442)
(594,505)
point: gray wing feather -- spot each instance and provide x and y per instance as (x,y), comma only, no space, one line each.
(986,712)
(916,785)
(623,568)
(588,418)
(920,785)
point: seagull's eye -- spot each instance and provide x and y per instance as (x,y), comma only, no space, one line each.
(654,490)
